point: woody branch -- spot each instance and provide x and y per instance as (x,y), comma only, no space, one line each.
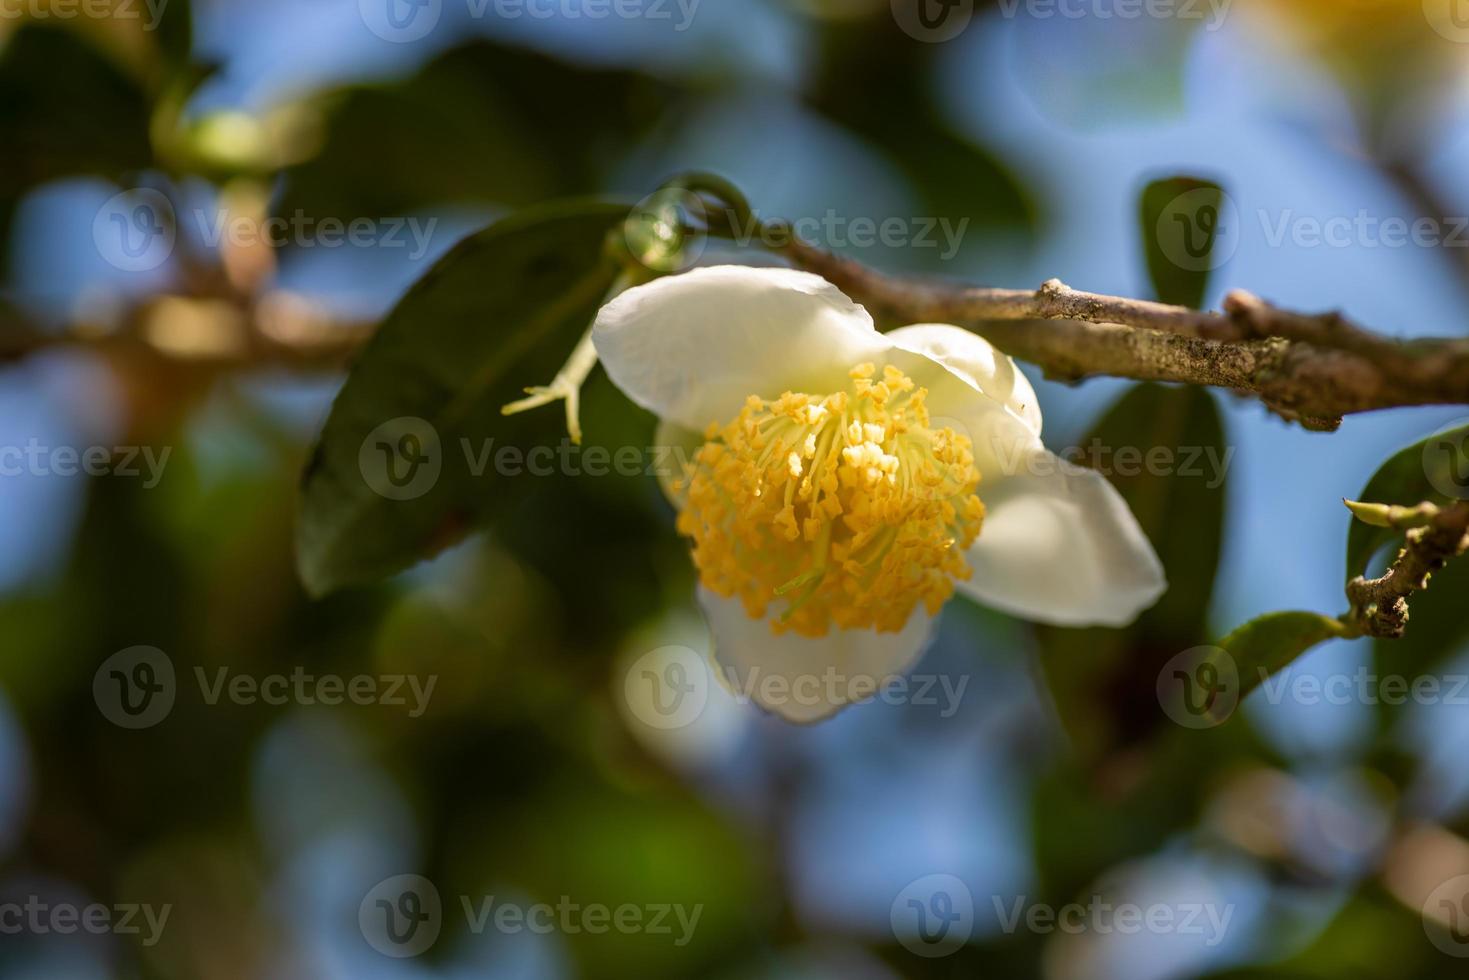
(1309,368)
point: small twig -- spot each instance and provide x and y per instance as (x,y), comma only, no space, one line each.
(566,386)
(1309,368)
(1380,605)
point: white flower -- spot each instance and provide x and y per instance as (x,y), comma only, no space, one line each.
(846,482)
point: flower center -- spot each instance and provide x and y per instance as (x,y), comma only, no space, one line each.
(849,508)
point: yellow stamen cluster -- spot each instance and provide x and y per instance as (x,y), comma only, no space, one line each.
(848,507)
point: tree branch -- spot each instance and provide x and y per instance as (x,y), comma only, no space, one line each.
(1309,368)
(288,339)
(1380,605)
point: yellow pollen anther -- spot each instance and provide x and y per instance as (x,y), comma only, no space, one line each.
(847,509)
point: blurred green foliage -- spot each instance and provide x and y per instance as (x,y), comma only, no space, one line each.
(524,779)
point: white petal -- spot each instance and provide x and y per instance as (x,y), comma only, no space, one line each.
(691,347)
(1060,546)
(976,361)
(806,679)
(999,435)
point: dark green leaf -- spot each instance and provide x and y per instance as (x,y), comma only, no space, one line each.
(482,124)
(65,110)
(501,311)
(176,33)
(1373,934)
(1435,469)
(1178,218)
(877,83)
(1103,679)
(1130,800)
(1272,642)
(1437,629)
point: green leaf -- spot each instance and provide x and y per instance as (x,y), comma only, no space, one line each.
(471,128)
(879,88)
(1437,630)
(1372,934)
(1435,469)
(393,478)
(1272,642)
(176,33)
(1132,796)
(1179,219)
(67,109)
(1103,679)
